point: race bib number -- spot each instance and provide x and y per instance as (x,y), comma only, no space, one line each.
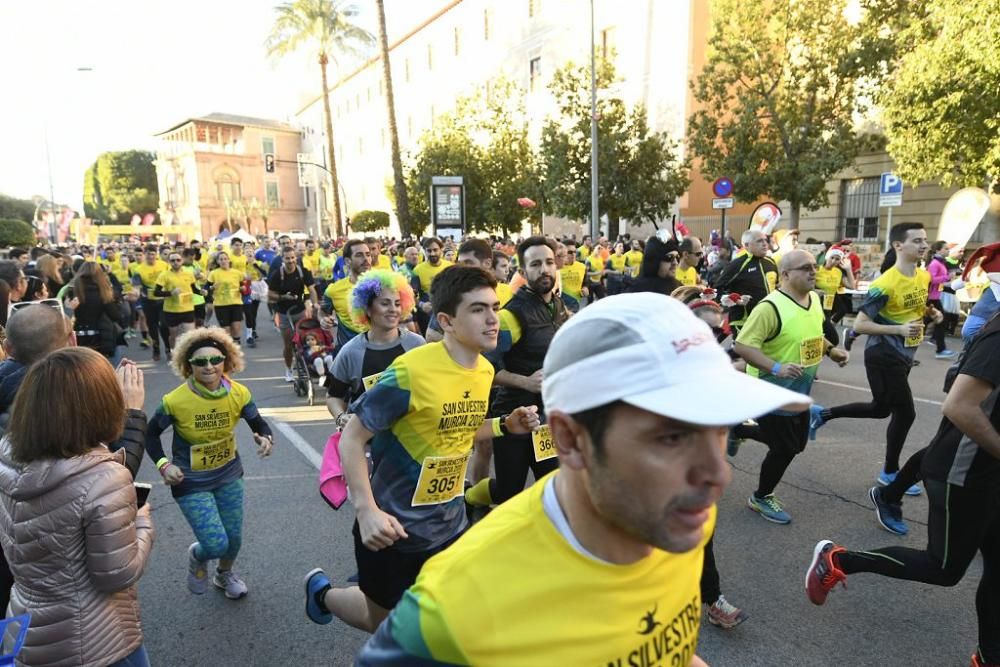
(541,441)
(811,351)
(212,455)
(370,381)
(441,479)
(914,341)
(828,301)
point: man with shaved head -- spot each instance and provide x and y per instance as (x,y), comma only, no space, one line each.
(782,343)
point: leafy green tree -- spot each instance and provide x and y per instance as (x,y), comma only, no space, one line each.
(484,140)
(941,96)
(400,199)
(119,184)
(16,233)
(369,222)
(779,93)
(12,208)
(327,29)
(639,173)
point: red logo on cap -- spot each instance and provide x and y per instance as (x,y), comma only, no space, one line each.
(683,344)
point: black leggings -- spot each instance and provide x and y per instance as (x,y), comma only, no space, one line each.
(785,437)
(908,475)
(250,314)
(711,589)
(155,323)
(513,456)
(888,377)
(939,329)
(960,522)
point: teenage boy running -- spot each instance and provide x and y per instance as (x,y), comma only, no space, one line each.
(892,316)
(423,413)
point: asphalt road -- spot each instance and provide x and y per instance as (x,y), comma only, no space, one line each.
(289,530)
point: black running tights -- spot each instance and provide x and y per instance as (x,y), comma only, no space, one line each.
(960,522)
(888,378)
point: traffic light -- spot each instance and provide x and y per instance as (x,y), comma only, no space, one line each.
(269,162)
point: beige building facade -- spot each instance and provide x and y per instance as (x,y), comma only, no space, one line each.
(211,174)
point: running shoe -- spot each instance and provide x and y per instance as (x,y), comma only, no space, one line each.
(977,661)
(197,573)
(946,354)
(145,342)
(725,615)
(823,574)
(889,515)
(251,342)
(815,419)
(231,583)
(886,478)
(289,377)
(769,507)
(849,337)
(733,443)
(156,355)
(317,584)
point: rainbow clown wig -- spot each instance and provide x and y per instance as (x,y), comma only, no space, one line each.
(371,284)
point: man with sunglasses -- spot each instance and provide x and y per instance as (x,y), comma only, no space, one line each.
(177,287)
(753,274)
(782,343)
(287,286)
(691,254)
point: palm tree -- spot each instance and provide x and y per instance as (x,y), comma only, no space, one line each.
(398,186)
(327,28)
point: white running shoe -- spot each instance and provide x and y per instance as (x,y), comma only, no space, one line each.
(197,580)
(231,583)
(288,375)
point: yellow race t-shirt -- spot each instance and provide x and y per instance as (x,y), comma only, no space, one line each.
(339,295)
(226,286)
(382,262)
(894,298)
(311,261)
(183,302)
(633,262)
(616,263)
(572,279)
(504,293)
(828,282)
(567,608)
(148,273)
(424,410)
(425,273)
(688,276)
(595,267)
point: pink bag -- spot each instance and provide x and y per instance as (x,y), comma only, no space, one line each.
(332,484)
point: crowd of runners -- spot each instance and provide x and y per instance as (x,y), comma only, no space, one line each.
(451,370)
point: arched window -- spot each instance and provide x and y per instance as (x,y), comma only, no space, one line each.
(227,185)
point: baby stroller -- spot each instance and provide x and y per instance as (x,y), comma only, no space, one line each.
(304,371)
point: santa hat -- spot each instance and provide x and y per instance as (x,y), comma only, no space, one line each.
(706,299)
(735,299)
(990,256)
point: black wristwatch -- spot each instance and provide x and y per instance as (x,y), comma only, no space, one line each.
(503,424)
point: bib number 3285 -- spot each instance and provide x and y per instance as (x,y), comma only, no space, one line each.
(441,479)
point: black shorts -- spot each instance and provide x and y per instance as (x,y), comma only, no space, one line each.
(226,315)
(199,312)
(383,576)
(177,319)
(787,434)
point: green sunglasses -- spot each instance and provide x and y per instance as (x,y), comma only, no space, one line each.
(205,361)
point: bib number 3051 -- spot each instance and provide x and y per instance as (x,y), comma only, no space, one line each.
(541,442)
(441,480)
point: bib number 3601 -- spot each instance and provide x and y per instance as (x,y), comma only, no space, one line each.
(441,479)
(541,442)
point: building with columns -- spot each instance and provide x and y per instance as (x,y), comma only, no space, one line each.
(211,173)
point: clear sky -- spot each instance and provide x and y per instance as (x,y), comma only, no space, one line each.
(154,63)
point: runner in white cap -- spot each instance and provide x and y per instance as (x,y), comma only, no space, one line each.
(623,520)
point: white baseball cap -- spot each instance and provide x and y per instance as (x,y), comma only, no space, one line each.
(655,354)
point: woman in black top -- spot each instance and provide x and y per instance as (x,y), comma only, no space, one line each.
(97,315)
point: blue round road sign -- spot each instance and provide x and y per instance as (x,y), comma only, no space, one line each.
(722,187)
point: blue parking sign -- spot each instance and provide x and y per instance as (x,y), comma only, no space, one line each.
(890,184)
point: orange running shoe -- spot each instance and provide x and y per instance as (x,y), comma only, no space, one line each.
(823,574)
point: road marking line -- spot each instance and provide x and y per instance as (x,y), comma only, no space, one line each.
(311,455)
(868,391)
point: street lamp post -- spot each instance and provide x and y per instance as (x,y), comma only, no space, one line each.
(594,221)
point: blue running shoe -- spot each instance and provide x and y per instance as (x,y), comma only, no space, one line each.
(769,507)
(886,478)
(889,515)
(317,583)
(815,419)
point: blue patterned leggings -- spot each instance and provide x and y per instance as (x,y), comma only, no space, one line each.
(216,517)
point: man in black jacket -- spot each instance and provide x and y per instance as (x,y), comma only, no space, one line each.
(527,324)
(752,273)
(32,333)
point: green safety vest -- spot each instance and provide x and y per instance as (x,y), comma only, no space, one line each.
(799,339)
